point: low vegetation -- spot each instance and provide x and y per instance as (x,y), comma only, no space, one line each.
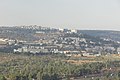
(57,67)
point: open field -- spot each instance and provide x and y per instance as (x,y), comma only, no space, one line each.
(9,57)
(84,60)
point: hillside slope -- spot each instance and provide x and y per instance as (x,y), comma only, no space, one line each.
(113,35)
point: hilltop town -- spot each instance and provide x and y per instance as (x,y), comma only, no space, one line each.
(43,40)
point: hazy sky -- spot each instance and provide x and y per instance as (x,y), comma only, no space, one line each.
(78,14)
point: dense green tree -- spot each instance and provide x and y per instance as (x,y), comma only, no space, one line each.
(46,77)
(39,76)
(2,77)
(119,74)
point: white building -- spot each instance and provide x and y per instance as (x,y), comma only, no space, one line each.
(73,31)
(118,50)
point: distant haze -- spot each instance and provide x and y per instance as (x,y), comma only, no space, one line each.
(78,14)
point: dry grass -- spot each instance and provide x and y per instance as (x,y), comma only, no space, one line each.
(10,57)
(78,61)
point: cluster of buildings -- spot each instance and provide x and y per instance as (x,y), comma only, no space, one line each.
(62,41)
